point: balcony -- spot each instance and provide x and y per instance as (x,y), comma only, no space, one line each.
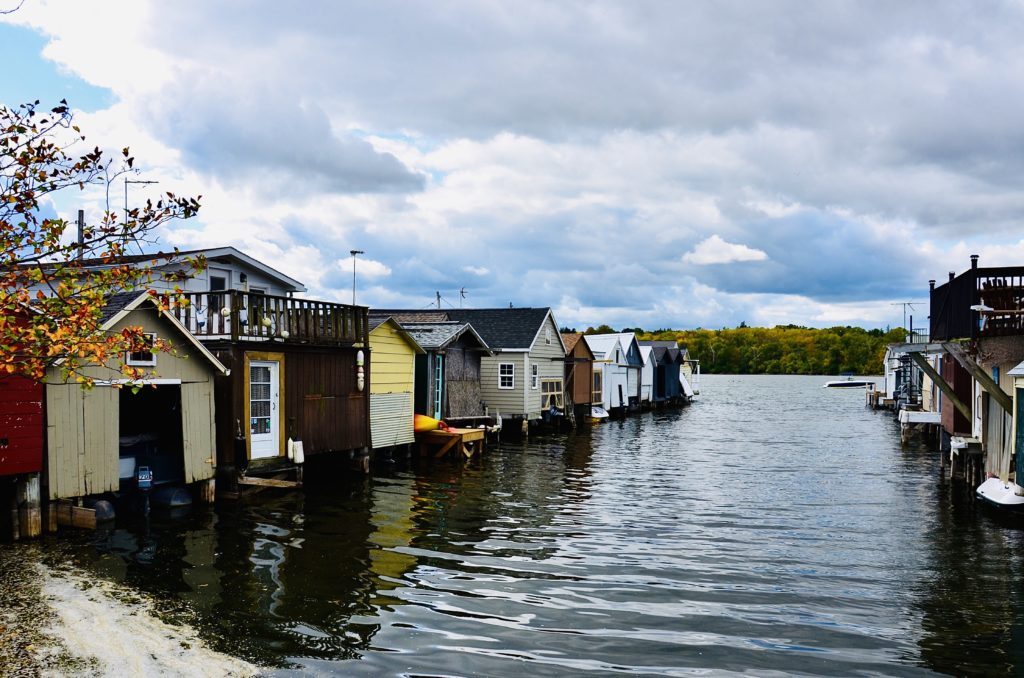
(233,315)
(997,295)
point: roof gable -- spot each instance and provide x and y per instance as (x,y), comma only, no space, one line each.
(507,328)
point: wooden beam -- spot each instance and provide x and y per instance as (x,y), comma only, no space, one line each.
(946,389)
(75,516)
(997,394)
(269,482)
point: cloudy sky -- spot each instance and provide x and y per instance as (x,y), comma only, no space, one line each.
(661,164)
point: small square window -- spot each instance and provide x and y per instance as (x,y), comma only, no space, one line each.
(144,358)
(506,375)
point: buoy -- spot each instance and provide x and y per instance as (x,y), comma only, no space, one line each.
(290,449)
(421,423)
(297,453)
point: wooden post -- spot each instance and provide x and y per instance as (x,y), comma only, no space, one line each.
(29,513)
(207,490)
(50,517)
(13,508)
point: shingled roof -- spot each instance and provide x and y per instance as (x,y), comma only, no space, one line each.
(435,336)
(504,328)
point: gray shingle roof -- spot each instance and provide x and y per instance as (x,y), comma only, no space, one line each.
(115,303)
(434,336)
(504,328)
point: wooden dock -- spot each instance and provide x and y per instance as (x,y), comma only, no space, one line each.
(468,441)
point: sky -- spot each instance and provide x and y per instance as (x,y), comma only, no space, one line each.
(643,164)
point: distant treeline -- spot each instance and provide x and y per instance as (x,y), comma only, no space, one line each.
(786,349)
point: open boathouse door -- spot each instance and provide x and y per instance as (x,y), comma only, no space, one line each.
(150,434)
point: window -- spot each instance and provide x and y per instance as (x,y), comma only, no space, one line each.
(218,283)
(506,375)
(146,356)
(547,335)
(597,396)
(551,394)
(534,377)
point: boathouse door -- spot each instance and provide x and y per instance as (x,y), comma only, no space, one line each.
(264,397)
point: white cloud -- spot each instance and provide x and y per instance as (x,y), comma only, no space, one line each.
(370,268)
(714,250)
(476,270)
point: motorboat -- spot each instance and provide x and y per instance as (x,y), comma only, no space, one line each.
(598,414)
(848,382)
(1005,494)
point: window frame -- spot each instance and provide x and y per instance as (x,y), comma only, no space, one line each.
(511,376)
(597,387)
(534,377)
(143,362)
(558,394)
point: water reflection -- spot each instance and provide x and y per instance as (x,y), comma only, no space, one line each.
(770,528)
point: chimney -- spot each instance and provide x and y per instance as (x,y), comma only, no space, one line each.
(974,261)
(931,285)
(952,274)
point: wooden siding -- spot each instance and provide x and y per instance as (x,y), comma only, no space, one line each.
(197,417)
(391,419)
(83,427)
(960,379)
(550,358)
(507,402)
(322,405)
(82,440)
(393,360)
(579,374)
(21,426)
(463,395)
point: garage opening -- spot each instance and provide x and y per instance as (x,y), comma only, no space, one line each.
(151,434)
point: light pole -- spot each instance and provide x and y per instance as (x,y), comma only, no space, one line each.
(354,253)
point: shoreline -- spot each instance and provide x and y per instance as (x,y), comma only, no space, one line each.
(60,622)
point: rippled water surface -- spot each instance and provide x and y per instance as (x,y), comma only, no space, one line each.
(772,528)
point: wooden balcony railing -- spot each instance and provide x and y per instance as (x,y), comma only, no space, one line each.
(997,293)
(244,316)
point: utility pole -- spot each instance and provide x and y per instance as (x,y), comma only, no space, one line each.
(354,253)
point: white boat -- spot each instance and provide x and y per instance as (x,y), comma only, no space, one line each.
(1002,493)
(598,414)
(848,382)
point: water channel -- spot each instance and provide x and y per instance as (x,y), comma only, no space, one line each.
(772,528)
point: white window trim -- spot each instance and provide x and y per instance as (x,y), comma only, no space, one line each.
(534,377)
(128,360)
(512,376)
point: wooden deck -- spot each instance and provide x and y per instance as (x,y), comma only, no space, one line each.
(468,441)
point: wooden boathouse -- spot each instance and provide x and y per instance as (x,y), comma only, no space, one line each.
(392,383)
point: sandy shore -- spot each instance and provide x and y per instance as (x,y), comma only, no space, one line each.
(66,624)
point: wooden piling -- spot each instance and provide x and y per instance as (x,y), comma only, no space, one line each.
(30,514)
(207,490)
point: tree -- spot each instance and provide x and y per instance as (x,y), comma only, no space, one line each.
(54,282)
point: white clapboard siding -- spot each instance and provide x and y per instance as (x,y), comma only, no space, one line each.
(197,431)
(391,419)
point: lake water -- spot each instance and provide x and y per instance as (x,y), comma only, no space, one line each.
(772,528)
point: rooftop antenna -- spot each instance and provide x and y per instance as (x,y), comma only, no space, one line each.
(462,295)
(906,305)
(133,181)
(438,293)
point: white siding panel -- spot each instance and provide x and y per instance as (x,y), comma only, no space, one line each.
(391,418)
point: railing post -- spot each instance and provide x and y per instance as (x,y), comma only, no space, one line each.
(236,314)
(975,296)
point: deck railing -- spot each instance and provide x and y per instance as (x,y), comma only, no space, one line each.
(997,295)
(245,316)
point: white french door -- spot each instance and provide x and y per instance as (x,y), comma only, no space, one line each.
(264,415)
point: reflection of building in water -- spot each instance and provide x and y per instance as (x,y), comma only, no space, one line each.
(391,515)
(969,606)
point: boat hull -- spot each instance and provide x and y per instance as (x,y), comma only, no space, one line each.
(1001,494)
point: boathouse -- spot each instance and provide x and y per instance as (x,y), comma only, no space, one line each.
(21,456)
(98,438)
(667,382)
(617,357)
(392,383)
(525,377)
(579,374)
(448,370)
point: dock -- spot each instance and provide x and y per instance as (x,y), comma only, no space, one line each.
(468,441)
